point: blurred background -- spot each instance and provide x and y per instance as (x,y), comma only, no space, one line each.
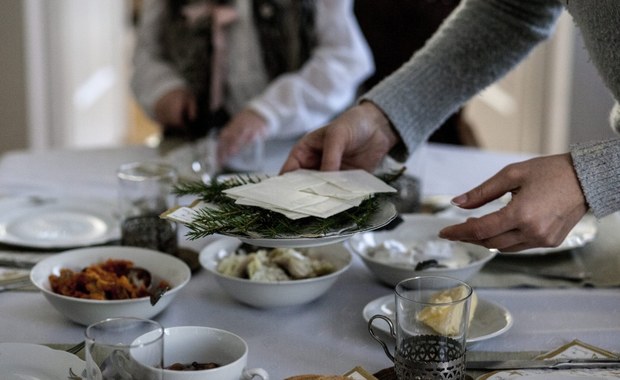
(65,67)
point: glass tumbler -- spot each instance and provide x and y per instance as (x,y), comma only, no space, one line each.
(145,192)
(430,327)
(124,349)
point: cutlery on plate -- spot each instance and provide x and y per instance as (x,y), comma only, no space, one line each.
(14,284)
(21,259)
(141,277)
(77,348)
(543,364)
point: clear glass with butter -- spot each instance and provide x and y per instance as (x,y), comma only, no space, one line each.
(431,320)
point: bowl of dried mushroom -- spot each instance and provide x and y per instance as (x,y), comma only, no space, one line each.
(274,277)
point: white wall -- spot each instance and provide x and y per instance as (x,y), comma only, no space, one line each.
(529,109)
(552,99)
(86,71)
(71,57)
(591,101)
(13,112)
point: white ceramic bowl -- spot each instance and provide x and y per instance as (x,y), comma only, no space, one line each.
(201,344)
(274,294)
(86,311)
(415,228)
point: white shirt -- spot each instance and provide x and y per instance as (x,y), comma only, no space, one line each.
(294,103)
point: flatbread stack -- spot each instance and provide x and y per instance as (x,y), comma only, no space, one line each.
(300,194)
(317,377)
(305,193)
(357,373)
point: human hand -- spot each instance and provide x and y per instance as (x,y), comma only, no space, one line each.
(243,129)
(359,138)
(176,108)
(547,202)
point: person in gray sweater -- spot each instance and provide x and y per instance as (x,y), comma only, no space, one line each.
(478,44)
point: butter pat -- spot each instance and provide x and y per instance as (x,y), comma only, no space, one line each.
(445,319)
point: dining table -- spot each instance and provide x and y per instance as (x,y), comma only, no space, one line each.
(330,334)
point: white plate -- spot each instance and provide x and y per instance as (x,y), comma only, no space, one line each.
(21,361)
(490,319)
(57,223)
(385,215)
(583,232)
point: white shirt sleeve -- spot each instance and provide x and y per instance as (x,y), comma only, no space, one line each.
(326,84)
(152,77)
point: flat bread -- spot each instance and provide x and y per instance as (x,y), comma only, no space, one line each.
(317,377)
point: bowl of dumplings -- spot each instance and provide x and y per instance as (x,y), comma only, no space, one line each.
(274,277)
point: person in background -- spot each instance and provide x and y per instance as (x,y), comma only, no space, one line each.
(257,69)
(479,43)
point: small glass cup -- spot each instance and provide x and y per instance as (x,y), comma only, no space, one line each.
(430,327)
(113,344)
(205,163)
(408,197)
(251,158)
(145,192)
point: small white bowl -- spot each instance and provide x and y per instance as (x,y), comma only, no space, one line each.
(415,228)
(86,311)
(201,344)
(274,294)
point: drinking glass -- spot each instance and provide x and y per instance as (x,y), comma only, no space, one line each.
(112,345)
(407,199)
(145,192)
(251,158)
(430,327)
(204,162)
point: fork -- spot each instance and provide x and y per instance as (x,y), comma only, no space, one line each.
(77,348)
(16,283)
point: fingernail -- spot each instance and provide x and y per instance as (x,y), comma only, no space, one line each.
(460,200)
(442,235)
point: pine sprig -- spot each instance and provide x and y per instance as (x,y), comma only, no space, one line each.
(227,217)
(213,191)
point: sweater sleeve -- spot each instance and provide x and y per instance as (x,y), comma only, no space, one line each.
(475,46)
(597,165)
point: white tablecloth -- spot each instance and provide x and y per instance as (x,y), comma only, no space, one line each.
(330,334)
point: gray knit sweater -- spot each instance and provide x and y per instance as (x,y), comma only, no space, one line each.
(481,42)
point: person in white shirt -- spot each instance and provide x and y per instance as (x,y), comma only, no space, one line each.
(258,69)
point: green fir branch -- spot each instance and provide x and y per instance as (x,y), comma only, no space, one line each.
(227,217)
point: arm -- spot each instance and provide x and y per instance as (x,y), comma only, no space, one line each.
(478,43)
(152,77)
(597,165)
